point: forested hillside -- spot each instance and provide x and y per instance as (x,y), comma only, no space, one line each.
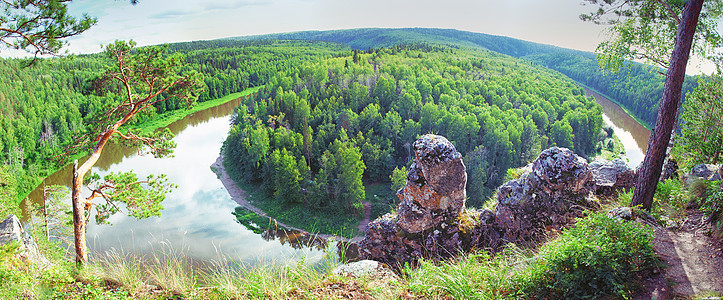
(321,130)
(45,107)
(637,87)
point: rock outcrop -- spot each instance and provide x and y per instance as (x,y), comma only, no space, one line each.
(548,198)
(432,221)
(706,171)
(612,177)
(435,188)
(12,230)
(366,268)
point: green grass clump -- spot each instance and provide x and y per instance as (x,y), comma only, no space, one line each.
(597,258)
(712,205)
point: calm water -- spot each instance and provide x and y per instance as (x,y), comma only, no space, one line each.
(633,135)
(197,217)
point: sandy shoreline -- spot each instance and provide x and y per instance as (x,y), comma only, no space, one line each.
(240,196)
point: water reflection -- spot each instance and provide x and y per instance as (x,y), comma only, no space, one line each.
(633,135)
(197,218)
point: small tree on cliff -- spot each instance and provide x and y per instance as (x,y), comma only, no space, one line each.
(136,80)
(661,32)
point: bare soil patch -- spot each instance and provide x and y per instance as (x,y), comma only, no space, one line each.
(693,258)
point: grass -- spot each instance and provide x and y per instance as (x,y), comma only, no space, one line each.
(599,258)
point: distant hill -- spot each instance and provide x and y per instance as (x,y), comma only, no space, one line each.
(638,88)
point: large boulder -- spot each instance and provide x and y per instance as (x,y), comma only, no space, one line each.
(12,230)
(612,177)
(706,171)
(549,197)
(432,221)
(670,169)
(435,188)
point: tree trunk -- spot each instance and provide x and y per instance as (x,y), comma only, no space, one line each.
(79,216)
(649,171)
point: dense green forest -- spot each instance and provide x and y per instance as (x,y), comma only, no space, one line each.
(47,106)
(318,132)
(637,88)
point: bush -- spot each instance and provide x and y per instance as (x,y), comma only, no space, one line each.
(670,201)
(597,258)
(712,205)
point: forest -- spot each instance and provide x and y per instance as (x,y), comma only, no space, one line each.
(442,81)
(637,87)
(47,106)
(318,132)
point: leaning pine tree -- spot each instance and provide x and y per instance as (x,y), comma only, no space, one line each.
(662,32)
(136,80)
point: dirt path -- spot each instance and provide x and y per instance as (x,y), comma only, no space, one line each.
(694,260)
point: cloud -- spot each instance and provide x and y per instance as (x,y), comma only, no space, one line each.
(170,14)
(224,5)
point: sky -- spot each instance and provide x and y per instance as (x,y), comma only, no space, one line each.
(553,22)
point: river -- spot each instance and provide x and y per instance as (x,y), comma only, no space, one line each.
(197,218)
(633,136)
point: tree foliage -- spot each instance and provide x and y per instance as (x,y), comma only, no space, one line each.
(701,135)
(646,30)
(39,26)
(360,119)
(138,79)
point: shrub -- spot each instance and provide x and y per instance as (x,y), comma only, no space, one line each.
(597,258)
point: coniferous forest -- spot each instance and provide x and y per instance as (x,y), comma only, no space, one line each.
(323,100)
(318,132)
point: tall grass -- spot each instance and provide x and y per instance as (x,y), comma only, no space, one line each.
(125,269)
(172,271)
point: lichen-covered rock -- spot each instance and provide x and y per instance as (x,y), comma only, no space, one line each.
(718,176)
(435,188)
(670,169)
(704,170)
(366,268)
(549,197)
(386,242)
(12,230)
(612,177)
(432,221)
(622,213)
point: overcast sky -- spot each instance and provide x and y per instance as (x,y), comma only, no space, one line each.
(553,22)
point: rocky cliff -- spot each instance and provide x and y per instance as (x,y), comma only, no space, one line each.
(433,222)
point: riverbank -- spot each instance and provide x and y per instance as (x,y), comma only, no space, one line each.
(168,118)
(158,122)
(641,122)
(241,197)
